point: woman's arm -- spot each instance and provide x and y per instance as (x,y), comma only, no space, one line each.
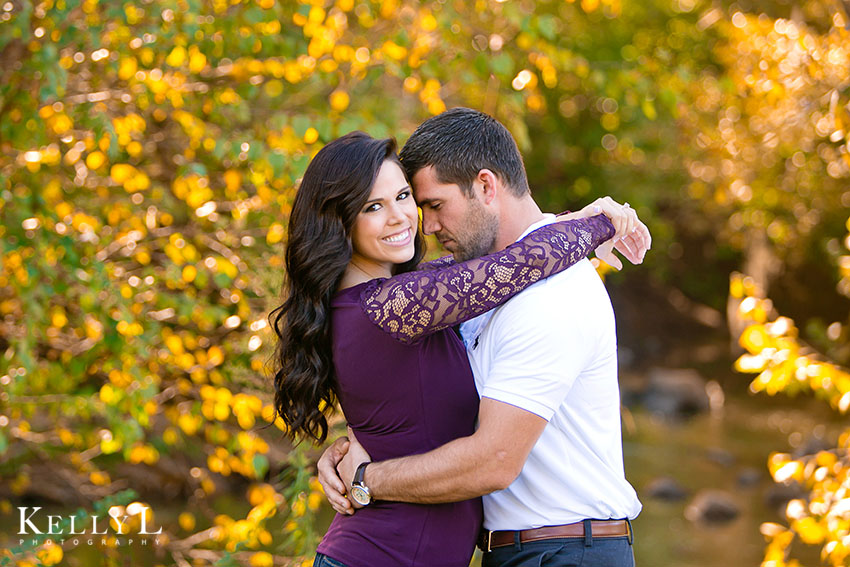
(437,264)
(632,238)
(412,305)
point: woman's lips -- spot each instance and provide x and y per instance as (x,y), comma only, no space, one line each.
(399,239)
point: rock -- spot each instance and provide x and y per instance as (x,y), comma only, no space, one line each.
(675,393)
(778,495)
(720,456)
(665,488)
(712,507)
(749,477)
(632,387)
(811,446)
(630,396)
(625,357)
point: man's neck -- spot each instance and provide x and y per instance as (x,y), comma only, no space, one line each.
(515,218)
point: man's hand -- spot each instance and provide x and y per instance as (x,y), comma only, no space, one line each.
(488,460)
(348,465)
(335,489)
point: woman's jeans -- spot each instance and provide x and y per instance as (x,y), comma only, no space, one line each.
(325,561)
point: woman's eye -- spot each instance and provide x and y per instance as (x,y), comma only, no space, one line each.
(372,208)
(403,195)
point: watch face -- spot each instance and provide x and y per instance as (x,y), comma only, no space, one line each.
(360,495)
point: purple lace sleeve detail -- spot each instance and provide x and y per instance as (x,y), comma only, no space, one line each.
(436,264)
(412,305)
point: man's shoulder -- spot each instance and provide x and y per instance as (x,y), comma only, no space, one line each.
(577,280)
(575,293)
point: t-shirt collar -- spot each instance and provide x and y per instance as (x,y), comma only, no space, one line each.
(548,218)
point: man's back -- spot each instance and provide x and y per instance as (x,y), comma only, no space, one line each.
(552,351)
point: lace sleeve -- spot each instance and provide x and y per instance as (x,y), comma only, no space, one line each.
(436,264)
(412,305)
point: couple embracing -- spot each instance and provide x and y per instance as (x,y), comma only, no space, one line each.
(480,389)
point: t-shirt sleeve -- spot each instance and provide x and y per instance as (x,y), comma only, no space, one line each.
(539,357)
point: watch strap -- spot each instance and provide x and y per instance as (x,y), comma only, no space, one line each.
(360,474)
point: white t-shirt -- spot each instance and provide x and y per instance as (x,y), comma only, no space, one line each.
(552,351)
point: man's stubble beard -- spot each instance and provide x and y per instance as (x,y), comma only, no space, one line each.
(479,234)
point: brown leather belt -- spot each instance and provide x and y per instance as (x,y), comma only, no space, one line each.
(598,528)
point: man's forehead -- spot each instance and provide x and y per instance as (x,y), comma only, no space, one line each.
(425,175)
(426,186)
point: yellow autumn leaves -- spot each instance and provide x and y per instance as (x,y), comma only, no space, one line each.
(218,403)
(325,29)
(330,48)
(129,177)
(823,518)
(614,7)
(251,532)
(844,264)
(776,354)
(194,189)
(164,301)
(180,56)
(784,364)
(46,555)
(339,100)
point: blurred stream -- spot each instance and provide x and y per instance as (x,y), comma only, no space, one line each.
(725,450)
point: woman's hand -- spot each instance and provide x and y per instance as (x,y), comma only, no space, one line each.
(335,490)
(631,237)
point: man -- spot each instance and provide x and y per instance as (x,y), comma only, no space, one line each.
(547,454)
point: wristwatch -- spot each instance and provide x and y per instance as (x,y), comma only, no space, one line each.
(359,491)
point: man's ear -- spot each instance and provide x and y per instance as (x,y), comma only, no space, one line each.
(489,183)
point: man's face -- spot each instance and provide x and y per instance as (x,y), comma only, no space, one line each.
(462,225)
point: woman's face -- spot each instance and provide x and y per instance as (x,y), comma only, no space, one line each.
(384,231)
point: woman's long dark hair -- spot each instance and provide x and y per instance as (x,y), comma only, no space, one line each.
(333,191)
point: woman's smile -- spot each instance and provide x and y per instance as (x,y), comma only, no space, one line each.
(402,238)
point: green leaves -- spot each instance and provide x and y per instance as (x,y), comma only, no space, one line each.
(261,465)
(549,27)
(502,64)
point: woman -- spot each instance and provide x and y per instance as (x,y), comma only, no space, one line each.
(359,326)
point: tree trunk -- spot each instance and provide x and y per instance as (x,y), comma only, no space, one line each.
(762,265)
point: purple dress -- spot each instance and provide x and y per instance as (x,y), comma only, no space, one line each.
(405,384)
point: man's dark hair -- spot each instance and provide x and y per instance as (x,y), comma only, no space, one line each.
(459,143)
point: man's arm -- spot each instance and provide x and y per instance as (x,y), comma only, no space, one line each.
(536,365)
(488,460)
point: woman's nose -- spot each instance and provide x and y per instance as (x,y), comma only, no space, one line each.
(396,214)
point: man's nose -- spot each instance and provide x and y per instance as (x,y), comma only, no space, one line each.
(430,225)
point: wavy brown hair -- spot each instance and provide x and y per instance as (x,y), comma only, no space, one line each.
(333,192)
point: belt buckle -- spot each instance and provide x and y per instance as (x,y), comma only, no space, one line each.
(489,541)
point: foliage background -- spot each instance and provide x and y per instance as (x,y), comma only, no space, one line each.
(149,154)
